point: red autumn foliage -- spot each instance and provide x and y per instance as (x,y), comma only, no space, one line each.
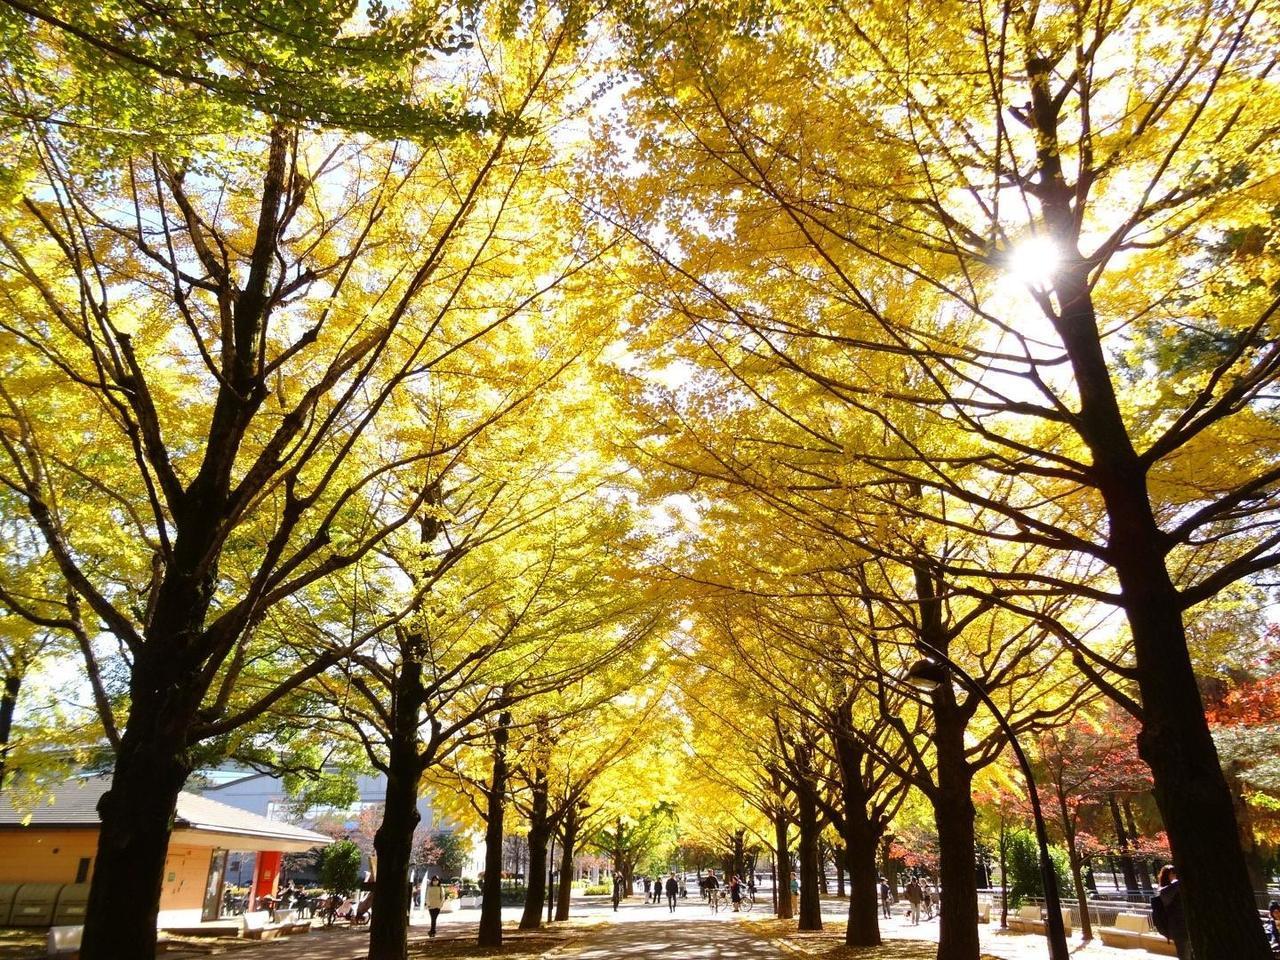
(1254,701)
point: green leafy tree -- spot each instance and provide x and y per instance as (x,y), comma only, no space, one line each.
(1023,860)
(340,867)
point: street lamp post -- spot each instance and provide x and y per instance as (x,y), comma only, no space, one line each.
(927,676)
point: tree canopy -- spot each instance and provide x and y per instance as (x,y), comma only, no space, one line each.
(605,415)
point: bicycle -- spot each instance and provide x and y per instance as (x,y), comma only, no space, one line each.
(747,902)
(713,898)
(328,909)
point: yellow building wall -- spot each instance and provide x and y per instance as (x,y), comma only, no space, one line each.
(35,855)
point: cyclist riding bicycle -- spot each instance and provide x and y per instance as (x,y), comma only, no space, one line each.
(712,887)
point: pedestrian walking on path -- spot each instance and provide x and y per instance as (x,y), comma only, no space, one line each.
(914,897)
(673,891)
(435,902)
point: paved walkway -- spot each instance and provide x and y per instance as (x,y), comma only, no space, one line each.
(691,933)
(638,931)
(635,931)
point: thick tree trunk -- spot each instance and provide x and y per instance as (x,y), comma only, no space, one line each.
(389,917)
(954,814)
(861,841)
(863,929)
(810,904)
(958,918)
(490,934)
(174,665)
(951,797)
(569,840)
(1195,804)
(739,853)
(133,842)
(841,858)
(8,701)
(1190,789)
(782,857)
(1174,741)
(536,874)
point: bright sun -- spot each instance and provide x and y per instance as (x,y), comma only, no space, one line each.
(1032,261)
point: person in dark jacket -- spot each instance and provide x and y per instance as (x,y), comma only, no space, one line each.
(1166,912)
(1273,926)
(673,891)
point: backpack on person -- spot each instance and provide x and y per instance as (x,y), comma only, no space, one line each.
(1159,916)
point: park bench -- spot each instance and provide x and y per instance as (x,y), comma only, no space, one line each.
(1132,931)
(1029,920)
(64,941)
(1154,942)
(1127,932)
(1026,916)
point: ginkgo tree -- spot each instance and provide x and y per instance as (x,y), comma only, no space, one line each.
(236,335)
(517,578)
(1069,246)
(786,511)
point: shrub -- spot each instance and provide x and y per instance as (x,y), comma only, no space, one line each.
(340,867)
(513,896)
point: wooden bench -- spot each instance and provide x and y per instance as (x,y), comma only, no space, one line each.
(64,941)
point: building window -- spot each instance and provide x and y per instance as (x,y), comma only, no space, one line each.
(82,869)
